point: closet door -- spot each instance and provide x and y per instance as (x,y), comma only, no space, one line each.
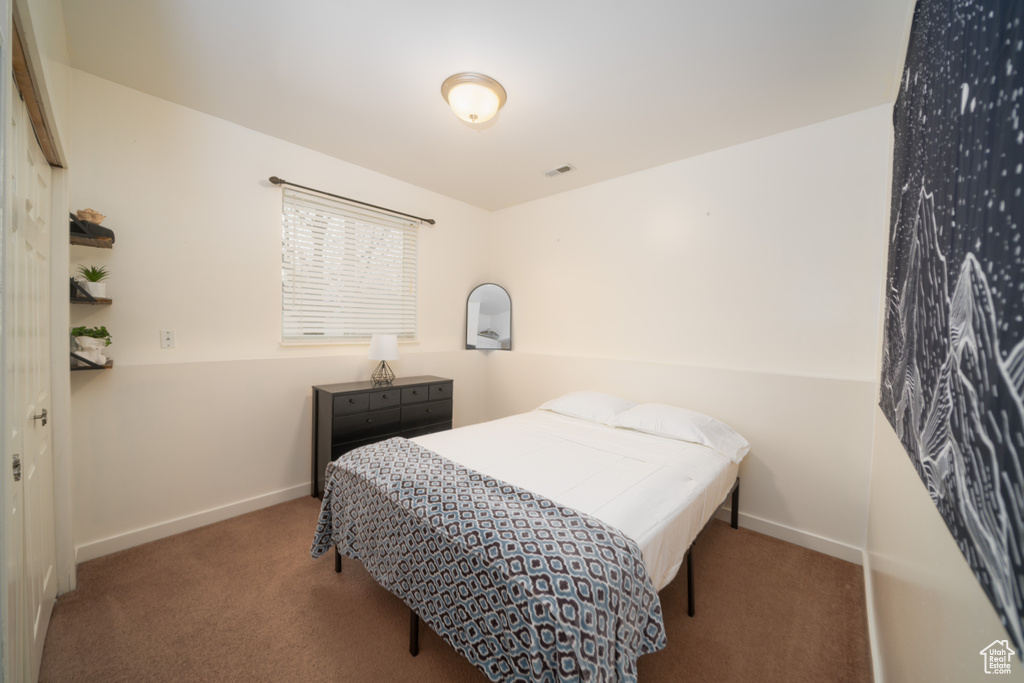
(29,549)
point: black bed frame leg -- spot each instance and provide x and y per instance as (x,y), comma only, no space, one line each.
(736,505)
(414,633)
(337,560)
(689,582)
(735,512)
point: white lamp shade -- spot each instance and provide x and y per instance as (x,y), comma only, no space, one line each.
(473,103)
(383,347)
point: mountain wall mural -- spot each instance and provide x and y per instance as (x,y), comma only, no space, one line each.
(953,353)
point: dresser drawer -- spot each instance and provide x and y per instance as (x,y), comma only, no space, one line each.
(426,413)
(440,391)
(351,403)
(385,399)
(353,427)
(415,394)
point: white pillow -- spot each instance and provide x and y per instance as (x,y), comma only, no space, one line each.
(684,425)
(588,405)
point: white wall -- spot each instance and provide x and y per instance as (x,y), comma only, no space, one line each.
(169,439)
(806,477)
(765,256)
(744,283)
(198,229)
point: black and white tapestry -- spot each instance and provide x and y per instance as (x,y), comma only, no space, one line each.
(953,364)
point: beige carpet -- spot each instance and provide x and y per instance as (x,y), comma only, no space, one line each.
(242,601)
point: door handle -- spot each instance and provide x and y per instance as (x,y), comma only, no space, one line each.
(41,416)
(16,462)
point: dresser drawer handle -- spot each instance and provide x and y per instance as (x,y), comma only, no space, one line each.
(351,400)
(430,410)
(384,396)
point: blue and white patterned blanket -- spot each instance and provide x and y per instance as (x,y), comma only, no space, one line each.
(525,589)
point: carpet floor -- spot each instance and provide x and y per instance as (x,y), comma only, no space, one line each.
(241,600)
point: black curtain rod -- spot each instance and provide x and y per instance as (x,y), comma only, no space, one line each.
(279,181)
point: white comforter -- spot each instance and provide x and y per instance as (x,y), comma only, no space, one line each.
(658,491)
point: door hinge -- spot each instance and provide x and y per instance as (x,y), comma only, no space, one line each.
(17,467)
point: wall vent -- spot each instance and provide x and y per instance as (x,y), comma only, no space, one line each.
(559,170)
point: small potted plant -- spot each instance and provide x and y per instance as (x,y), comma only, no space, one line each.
(90,342)
(93,280)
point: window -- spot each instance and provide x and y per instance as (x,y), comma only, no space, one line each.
(347,272)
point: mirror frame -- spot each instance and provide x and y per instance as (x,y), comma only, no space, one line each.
(466,334)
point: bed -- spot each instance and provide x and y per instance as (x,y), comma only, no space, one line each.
(536,544)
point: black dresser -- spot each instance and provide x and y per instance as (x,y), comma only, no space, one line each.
(354,414)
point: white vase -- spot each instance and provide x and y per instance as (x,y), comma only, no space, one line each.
(91,349)
(97,289)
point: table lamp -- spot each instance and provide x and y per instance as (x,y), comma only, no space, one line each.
(383,347)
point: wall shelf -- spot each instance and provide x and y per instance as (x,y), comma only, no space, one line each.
(98,242)
(79,363)
(87,234)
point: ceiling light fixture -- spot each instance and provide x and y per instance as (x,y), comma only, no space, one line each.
(474,98)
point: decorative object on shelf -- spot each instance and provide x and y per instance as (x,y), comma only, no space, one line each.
(89,234)
(80,295)
(489,318)
(383,347)
(94,277)
(90,342)
(90,215)
(473,97)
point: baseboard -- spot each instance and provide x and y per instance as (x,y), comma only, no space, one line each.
(804,539)
(112,544)
(869,598)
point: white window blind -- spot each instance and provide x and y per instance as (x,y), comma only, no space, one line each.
(347,271)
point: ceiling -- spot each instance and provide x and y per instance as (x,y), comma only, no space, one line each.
(611,87)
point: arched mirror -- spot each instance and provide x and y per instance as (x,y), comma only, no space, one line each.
(489,318)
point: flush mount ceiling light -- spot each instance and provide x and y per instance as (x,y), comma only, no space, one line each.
(474,98)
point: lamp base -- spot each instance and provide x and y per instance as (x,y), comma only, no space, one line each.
(383,375)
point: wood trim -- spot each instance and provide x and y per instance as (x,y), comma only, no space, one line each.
(27,88)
